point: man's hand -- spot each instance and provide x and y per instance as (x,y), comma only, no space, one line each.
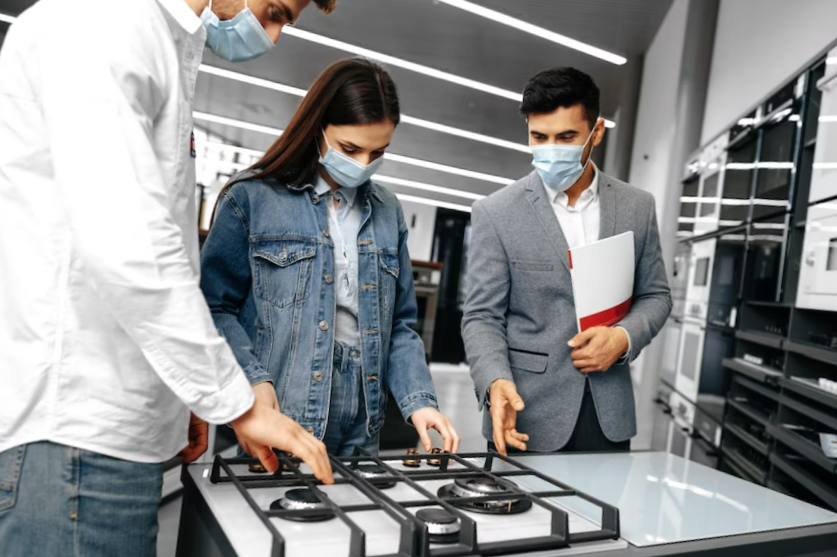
(427,418)
(505,404)
(263,428)
(266,395)
(598,348)
(198,439)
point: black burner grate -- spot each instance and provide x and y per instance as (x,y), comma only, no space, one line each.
(415,539)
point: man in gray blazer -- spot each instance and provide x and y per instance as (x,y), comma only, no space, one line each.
(519,324)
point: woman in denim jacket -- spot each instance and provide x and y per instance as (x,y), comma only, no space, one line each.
(308,276)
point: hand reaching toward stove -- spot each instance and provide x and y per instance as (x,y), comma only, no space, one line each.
(427,418)
(263,429)
(505,403)
(266,394)
(198,439)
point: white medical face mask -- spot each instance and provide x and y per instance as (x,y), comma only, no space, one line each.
(559,166)
(239,39)
(345,170)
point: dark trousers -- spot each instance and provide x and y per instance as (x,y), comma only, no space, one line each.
(587,435)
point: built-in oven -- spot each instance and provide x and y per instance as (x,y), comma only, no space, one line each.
(685,439)
(824,177)
(713,159)
(671,350)
(700,273)
(818,274)
(680,278)
(766,251)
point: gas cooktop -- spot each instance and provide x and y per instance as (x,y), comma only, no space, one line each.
(425,505)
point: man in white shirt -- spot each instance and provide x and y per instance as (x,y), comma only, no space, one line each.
(519,324)
(106,342)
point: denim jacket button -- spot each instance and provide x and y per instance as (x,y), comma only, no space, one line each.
(329,279)
(310,430)
(326,233)
(318,376)
(323,325)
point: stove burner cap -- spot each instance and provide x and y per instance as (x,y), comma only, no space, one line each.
(371,471)
(475,487)
(257,468)
(442,525)
(376,474)
(300,500)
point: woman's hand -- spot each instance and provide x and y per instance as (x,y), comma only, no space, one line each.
(428,418)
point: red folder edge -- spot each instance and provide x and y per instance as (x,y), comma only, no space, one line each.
(606,318)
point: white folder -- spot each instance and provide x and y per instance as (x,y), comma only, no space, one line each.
(603,280)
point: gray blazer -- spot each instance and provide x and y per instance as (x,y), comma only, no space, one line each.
(520,314)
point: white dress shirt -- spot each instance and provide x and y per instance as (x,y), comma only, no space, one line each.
(581,222)
(344,225)
(106,341)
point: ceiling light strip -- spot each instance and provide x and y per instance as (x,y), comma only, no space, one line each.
(203,116)
(390,156)
(433,202)
(398,62)
(411,66)
(537,31)
(427,187)
(7,18)
(259,82)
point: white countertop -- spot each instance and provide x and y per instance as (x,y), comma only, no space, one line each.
(663,498)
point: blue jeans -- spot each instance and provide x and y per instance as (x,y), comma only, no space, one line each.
(57,500)
(346,428)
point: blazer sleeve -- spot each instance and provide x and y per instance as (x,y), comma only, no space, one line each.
(651,304)
(484,317)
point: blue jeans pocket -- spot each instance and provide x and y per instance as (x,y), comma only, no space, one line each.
(11,463)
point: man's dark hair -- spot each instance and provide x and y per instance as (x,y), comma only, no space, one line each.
(561,88)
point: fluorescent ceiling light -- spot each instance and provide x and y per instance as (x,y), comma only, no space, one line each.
(411,66)
(433,202)
(391,156)
(203,116)
(398,62)
(829,118)
(237,166)
(466,134)
(825,166)
(259,82)
(537,31)
(831,61)
(7,18)
(427,187)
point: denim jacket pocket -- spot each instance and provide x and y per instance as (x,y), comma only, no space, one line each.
(283,270)
(11,463)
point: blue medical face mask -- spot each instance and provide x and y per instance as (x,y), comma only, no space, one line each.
(559,166)
(239,39)
(345,170)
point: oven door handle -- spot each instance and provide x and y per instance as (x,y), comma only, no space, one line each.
(710,449)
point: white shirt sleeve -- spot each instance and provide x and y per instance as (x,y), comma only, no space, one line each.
(99,101)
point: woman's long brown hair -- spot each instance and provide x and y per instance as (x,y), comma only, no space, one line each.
(348,93)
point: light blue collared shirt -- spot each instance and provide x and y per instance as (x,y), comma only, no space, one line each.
(343,226)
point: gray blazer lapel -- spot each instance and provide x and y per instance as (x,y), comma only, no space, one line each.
(536,194)
(607,207)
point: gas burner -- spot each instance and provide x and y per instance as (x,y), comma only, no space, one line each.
(484,487)
(376,474)
(442,526)
(300,500)
(257,468)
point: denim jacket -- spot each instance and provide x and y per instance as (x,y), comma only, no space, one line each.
(267,271)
